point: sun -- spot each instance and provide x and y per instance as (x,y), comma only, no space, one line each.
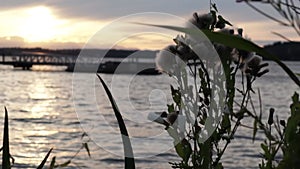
(39,24)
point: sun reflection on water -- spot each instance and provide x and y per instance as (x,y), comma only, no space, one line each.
(41,101)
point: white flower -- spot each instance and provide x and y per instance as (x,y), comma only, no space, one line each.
(253,66)
(254,60)
(189,47)
(252,63)
(202,21)
(167,61)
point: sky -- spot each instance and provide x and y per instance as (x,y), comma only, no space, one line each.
(59,24)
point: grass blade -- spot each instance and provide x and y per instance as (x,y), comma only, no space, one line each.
(85,145)
(6,154)
(45,160)
(128,152)
(52,164)
(234,42)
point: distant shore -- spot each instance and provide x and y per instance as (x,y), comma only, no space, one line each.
(286,51)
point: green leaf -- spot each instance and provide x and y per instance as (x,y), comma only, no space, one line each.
(219,166)
(176,95)
(171,108)
(295,97)
(205,153)
(226,123)
(85,145)
(128,152)
(254,129)
(184,150)
(266,151)
(291,146)
(294,120)
(180,151)
(6,154)
(234,42)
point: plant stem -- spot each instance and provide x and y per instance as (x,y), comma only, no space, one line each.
(228,140)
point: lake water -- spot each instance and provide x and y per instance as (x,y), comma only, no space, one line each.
(42,115)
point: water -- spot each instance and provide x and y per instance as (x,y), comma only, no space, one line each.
(42,115)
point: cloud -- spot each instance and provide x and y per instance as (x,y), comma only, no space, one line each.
(241,12)
(259,30)
(56,45)
(112,9)
(11,4)
(16,41)
(13,41)
(84,18)
(106,10)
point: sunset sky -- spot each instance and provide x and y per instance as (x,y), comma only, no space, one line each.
(71,23)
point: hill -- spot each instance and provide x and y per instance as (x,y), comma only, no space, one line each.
(287,51)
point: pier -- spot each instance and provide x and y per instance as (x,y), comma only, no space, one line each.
(27,60)
(143,63)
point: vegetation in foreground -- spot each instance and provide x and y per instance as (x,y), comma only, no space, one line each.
(280,149)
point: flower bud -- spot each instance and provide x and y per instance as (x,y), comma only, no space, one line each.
(171,118)
(262,73)
(282,122)
(270,120)
(240,31)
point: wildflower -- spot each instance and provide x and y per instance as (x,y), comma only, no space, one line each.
(220,24)
(165,59)
(252,66)
(202,21)
(248,62)
(174,57)
(180,39)
(224,50)
(184,47)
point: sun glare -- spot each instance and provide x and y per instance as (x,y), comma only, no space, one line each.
(39,24)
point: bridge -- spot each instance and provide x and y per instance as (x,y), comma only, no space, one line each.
(89,63)
(26,60)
